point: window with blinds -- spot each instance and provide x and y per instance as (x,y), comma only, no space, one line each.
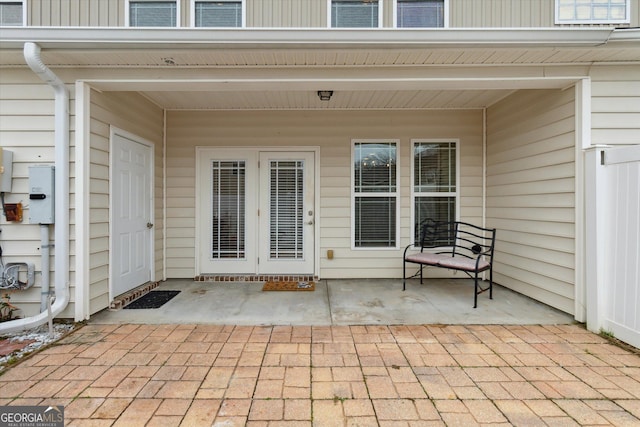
(153,13)
(286,206)
(420,13)
(354,14)
(228,184)
(223,13)
(11,13)
(434,183)
(375,194)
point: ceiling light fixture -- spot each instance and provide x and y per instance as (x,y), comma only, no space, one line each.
(325,95)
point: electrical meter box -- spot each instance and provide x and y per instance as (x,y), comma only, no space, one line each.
(41,194)
(6,170)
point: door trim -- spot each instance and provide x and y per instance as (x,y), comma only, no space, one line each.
(203,150)
(113,132)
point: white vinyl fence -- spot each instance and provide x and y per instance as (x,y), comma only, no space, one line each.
(620,283)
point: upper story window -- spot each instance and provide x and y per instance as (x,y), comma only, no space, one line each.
(12,13)
(153,13)
(355,13)
(592,11)
(420,13)
(219,13)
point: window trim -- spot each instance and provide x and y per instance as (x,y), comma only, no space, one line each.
(127,8)
(445,18)
(192,20)
(24,12)
(415,194)
(626,20)
(380,16)
(397,194)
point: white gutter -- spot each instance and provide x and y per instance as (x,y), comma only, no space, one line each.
(304,38)
(61,236)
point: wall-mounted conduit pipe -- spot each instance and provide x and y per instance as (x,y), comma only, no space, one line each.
(61,233)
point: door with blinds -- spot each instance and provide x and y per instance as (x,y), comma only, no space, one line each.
(256,212)
(287,213)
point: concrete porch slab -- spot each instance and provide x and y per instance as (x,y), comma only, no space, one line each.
(339,302)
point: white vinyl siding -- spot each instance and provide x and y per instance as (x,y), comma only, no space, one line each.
(287,13)
(134,114)
(615,105)
(531,194)
(311,13)
(189,129)
(27,129)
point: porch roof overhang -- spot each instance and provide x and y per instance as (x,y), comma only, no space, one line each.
(194,68)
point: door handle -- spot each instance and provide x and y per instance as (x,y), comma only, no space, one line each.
(310,222)
(149,225)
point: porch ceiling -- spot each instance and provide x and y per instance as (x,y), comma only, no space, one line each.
(284,68)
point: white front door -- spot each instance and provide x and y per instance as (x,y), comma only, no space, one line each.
(256,212)
(131,213)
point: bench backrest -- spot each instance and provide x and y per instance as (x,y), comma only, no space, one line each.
(457,238)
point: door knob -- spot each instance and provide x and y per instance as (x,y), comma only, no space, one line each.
(149,225)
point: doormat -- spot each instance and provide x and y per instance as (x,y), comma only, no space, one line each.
(153,299)
(288,286)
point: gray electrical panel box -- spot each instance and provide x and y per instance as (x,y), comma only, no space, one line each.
(41,194)
(6,170)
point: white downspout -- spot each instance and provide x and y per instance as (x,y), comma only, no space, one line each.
(61,234)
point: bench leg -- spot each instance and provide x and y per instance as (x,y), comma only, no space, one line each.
(404,275)
(491,283)
(475,293)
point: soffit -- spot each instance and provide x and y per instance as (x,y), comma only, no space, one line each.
(284,69)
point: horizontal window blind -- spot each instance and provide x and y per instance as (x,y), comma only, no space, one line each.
(152,13)
(228,209)
(286,216)
(354,13)
(420,13)
(218,14)
(11,13)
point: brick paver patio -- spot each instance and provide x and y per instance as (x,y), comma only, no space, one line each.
(204,375)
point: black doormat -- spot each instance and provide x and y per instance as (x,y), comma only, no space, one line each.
(154,299)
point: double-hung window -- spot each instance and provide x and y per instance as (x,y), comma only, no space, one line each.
(375,194)
(12,13)
(420,13)
(153,13)
(592,11)
(435,182)
(355,13)
(219,13)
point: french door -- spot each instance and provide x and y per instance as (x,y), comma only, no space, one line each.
(257,212)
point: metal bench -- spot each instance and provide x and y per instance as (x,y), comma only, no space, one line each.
(456,246)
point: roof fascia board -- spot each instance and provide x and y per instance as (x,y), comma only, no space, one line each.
(131,38)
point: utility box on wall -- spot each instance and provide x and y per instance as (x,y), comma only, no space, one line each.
(6,170)
(41,194)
